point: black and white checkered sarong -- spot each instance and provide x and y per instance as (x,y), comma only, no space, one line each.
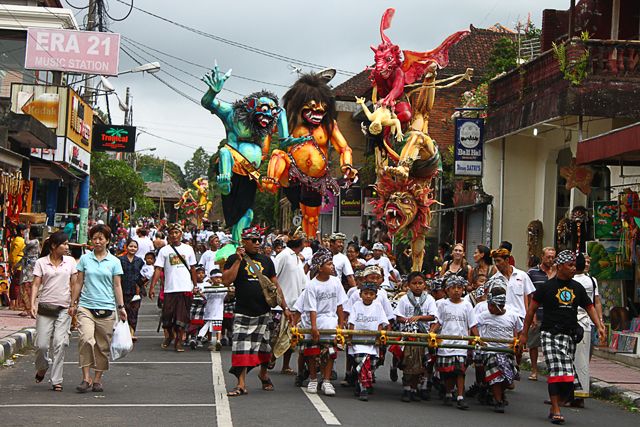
(196,311)
(559,352)
(250,345)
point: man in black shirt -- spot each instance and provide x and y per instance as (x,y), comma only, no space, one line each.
(252,314)
(560,297)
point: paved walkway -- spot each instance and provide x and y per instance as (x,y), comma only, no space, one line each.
(10,322)
(617,374)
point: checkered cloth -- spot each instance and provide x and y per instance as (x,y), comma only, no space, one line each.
(196,312)
(499,367)
(250,346)
(451,364)
(364,365)
(559,351)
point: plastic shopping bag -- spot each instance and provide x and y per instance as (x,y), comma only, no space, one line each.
(121,343)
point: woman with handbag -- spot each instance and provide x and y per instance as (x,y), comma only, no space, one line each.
(53,274)
(96,295)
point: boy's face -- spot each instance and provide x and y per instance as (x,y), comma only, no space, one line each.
(494,309)
(149,260)
(200,274)
(455,292)
(216,280)
(326,268)
(417,285)
(437,294)
(374,278)
(368,296)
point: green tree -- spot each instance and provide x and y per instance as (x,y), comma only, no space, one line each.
(169,167)
(197,166)
(503,58)
(115,182)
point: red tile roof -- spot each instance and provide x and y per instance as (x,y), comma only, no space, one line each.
(472,51)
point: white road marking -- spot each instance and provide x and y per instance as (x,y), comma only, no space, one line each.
(322,408)
(223,411)
(148,363)
(107,405)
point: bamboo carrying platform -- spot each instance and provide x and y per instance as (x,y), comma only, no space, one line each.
(431,340)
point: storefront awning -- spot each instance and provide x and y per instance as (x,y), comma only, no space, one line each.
(45,169)
(619,146)
(30,133)
(10,158)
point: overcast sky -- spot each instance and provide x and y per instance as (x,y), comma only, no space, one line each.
(336,33)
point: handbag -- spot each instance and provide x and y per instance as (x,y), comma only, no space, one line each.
(269,289)
(99,313)
(49,310)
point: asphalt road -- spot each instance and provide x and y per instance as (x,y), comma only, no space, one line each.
(155,387)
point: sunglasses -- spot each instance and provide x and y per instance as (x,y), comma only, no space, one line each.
(256,240)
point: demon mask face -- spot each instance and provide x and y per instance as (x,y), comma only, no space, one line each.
(400,211)
(387,58)
(259,112)
(313,112)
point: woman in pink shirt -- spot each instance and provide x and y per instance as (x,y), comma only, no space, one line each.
(53,275)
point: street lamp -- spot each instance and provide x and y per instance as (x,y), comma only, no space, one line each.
(151,68)
(135,155)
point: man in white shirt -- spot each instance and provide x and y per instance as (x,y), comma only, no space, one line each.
(292,280)
(382,262)
(208,259)
(145,244)
(178,263)
(519,284)
(341,263)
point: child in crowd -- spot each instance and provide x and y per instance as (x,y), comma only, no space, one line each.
(455,317)
(499,322)
(437,290)
(415,311)
(148,268)
(198,303)
(366,314)
(214,310)
(227,316)
(395,360)
(301,319)
(480,298)
(324,298)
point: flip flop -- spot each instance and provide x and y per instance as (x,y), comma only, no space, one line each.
(56,387)
(237,391)
(288,371)
(556,419)
(533,377)
(40,376)
(267,385)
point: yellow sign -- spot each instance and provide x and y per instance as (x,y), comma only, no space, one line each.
(79,121)
(43,107)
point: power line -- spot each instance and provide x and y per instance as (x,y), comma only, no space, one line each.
(106,11)
(234,75)
(173,141)
(239,45)
(76,7)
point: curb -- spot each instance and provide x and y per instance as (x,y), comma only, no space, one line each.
(609,391)
(13,343)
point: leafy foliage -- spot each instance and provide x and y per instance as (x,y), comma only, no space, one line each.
(197,166)
(115,182)
(169,167)
(503,58)
(573,70)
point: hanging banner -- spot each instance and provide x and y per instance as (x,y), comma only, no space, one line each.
(85,52)
(468,147)
(117,138)
(351,201)
(606,220)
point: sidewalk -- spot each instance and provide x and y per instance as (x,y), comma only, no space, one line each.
(16,332)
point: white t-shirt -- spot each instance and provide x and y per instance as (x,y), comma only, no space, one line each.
(324,298)
(214,309)
(519,286)
(342,265)
(480,308)
(307,253)
(499,326)
(147,271)
(405,308)
(187,236)
(177,278)
(290,273)
(145,245)
(305,322)
(455,319)
(208,260)
(366,318)
(382,298)
(386,266)
(587,283)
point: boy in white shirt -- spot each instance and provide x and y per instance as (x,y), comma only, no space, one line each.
(324,298)
(366,315)
(415,311)
(214,309)
(455,317)
(499,322)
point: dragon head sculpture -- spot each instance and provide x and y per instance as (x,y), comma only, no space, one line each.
(259,112)
(387,55)
(404,205)
(310,102)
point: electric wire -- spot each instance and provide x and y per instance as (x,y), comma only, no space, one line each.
(106,11)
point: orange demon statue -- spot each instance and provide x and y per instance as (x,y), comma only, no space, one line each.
(301,166)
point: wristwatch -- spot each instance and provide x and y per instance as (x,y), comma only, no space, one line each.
(120,306)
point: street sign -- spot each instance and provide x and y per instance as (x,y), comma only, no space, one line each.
(117,138)
(86,52)
(351,201)
(468,147)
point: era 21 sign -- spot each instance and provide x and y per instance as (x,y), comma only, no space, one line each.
(85,52)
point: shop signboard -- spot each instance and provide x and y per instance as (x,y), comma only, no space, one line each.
(77,157)
(328,203)
(606,220)
(85,52)
(351,201)
(79,121)
(117,138)
(469,138)
(44,103)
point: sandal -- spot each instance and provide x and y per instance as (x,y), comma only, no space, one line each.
(56,387)
(556,419)
(40,376)
(267,385)
(271,364)
(166,342)
(237,392)
(24,314)
(533,377)
(288,371)
(179,347)
(97,388)
(84,387)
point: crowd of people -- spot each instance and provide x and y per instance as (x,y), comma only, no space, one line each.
(210,292)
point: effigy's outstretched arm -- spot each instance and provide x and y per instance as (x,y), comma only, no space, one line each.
(365,109)
(340,144)
(215,81)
